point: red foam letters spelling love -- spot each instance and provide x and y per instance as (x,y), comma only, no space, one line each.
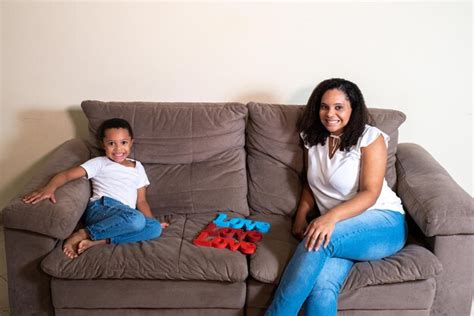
(231,238)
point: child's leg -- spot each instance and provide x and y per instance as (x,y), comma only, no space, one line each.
(151,230)
(110,218)
(71,243)
(92,214)
(104,218)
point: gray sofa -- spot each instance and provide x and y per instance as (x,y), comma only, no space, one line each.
(245,160)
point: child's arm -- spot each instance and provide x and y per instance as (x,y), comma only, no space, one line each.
(142,203)
(47,192)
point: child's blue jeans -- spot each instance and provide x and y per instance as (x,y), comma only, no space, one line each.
(316,277)
(107,218)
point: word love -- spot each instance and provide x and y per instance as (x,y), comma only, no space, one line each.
(239,223)
(231,238)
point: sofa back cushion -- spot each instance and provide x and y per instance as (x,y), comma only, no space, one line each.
(274,158)
(275,154)
(193,153)
(389,121)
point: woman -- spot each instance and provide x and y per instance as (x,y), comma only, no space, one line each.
(361,217)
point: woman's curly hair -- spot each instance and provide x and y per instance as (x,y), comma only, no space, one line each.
(310,124)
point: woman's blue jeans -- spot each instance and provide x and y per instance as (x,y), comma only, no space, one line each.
(315,278)
(107,218)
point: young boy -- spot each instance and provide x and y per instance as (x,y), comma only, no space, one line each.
(118,211)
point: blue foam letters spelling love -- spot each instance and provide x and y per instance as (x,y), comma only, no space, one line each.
(239,223)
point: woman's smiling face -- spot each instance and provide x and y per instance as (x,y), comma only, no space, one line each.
(335,111)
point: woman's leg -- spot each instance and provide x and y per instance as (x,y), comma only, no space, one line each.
(371,235)
(323,297)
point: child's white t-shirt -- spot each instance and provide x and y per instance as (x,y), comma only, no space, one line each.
(114,180)
(336,180)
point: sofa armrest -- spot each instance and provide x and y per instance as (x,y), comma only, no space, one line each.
(59,219)
(437,204)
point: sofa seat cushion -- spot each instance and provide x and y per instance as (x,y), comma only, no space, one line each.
(172,256)
(398,296)
(413,262)
(115,294)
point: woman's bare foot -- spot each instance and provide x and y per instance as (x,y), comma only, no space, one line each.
(87,243)
(72,242)
(164,225)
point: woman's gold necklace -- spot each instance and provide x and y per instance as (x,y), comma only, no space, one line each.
(336,141)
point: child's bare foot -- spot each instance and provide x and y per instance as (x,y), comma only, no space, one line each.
(71,243)
(164,225)
(87,243)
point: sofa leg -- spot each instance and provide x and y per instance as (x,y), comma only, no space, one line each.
(28,286)
(455,285)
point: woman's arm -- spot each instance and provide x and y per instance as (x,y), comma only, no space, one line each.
(372,172)
(47,192)
(306,203)
(142,203)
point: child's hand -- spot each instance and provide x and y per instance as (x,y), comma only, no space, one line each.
(39,195)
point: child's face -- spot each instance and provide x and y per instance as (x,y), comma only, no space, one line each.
(117,144)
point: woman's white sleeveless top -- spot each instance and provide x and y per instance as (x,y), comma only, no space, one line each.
(336,180)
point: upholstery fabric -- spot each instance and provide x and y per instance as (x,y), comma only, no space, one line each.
(193,153)
(275,154)
(389,121)
(30,293)
(454,290)
(274,158)
(151,312)
(128,294)
(441,209)
(397,296)
(274,251)
(377,312)
(411,263)
(53,219)
(172,256)
(385,312)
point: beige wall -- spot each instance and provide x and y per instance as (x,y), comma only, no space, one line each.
(415,57)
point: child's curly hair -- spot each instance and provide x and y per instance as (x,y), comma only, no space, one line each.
(113,123)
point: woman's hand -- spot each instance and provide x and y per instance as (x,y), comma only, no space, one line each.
(299,228)
(318,231)
(39,195)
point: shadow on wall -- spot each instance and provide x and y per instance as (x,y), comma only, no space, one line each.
(298,97)
(261,97)
(38,132)
(301,96)
(41,131)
